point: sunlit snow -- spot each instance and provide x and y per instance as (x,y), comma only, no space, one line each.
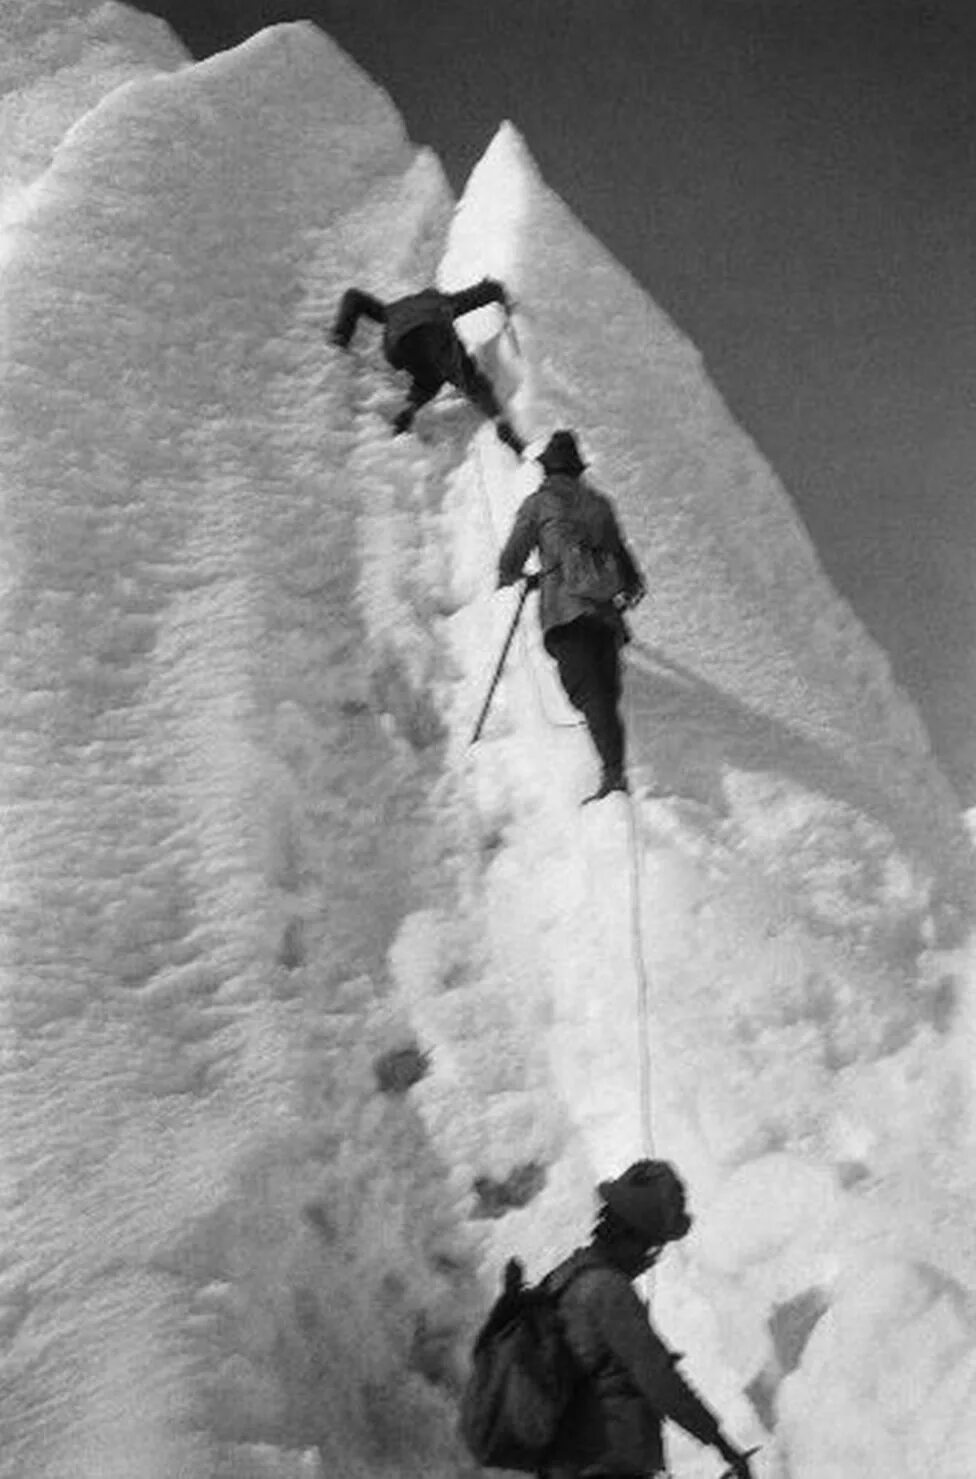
(313,1013)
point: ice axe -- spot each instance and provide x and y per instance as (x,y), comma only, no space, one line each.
(496,675)
(510,326)
(730,1472)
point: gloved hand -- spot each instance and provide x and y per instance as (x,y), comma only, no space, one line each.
(505,299)
(628,599)
(514,1278)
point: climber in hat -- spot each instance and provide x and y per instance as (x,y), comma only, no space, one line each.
(629,1382)
(419,336)
(588,579)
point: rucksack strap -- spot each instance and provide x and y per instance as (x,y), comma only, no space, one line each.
(558,1280)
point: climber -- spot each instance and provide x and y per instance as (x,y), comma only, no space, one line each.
(588,579)
(627,1378)
(419,336)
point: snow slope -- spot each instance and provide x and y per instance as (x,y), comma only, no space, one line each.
(741,628)
(798,903)
(313,1013)
(56,62)
(202,819)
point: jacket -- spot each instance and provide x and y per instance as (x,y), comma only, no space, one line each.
(431,306)
(628,1379)
(539,525)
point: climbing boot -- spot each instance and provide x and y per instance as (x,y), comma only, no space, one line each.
(611,781)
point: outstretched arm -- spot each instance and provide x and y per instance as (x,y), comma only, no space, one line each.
(634,585)
(488,290)
(652,1369)
(354,306)
(651,1366)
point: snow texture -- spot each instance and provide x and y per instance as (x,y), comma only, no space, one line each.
(313,1013)
(55,66)
(223,1247)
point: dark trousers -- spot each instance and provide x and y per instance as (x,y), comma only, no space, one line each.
(433,355)
(587,654)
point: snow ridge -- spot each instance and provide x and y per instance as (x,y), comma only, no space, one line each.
(741,624)
(799,907)
(312,1012)
(201,1169)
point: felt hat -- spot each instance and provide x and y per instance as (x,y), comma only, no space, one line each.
(650,1198)
(561,454)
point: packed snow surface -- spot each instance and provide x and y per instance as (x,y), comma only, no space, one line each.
(313,1013)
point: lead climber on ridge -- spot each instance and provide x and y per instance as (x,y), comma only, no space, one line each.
(628,1382)
(588,579)
(419,336)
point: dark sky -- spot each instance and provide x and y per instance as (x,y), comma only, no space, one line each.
(795,183)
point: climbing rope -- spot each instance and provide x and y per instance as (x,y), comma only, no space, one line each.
(633,833)
(641,974)
(642,981)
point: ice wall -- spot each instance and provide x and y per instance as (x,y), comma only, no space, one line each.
(312,1014)
(57,60)
(225,1251)
(794,897)
(738,602)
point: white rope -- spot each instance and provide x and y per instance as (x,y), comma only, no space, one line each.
(642,979)
(641,974)
(638,954)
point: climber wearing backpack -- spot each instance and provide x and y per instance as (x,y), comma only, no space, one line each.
(419,336)
(629,1382)
(570,1379)
(588,579)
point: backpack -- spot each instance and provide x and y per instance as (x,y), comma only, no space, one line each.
(588,573)
(587,570)
(522,1379)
